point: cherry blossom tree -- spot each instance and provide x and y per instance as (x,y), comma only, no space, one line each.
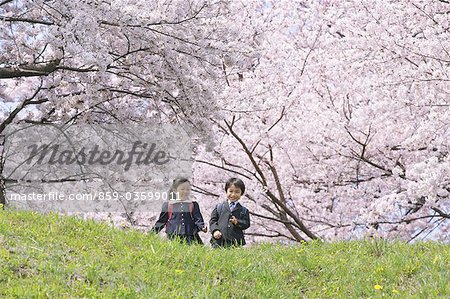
(71,59)
(340,123)
(105,61)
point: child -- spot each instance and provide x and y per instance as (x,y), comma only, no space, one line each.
(181,216)
(229,218)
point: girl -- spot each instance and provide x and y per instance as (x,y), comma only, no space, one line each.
(181,216)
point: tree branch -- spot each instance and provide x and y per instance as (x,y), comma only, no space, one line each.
(5,2)
(273,219)
(25,20)
(277,235)
(274,199)
(222,167)
(262,178)
(19,108)
(29,70)
(441,213)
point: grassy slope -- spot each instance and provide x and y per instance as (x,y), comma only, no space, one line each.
(58,256)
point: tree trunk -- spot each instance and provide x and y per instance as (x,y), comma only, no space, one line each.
(2,194)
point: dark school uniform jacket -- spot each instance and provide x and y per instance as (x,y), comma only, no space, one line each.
(220,220)
(185,220)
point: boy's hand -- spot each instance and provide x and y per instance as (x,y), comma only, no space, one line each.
(217,235)
(205,229)
(233,220)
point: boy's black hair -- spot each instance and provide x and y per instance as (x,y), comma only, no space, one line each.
(237,182)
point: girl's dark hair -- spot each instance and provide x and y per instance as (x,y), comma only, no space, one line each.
(176,182)
(237,182)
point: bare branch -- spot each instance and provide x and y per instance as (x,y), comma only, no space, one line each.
(223,168)
(25,20)
(441,213)
(19,108)
(29,70)
(425,13)
(200,190)
(62,180)
(292,215)
(309,52)
(277,235)
(262,178)
(279,119)
(273,219)
(274,199)
(5,2)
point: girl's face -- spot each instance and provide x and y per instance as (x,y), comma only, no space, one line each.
(234,193)
(184,190)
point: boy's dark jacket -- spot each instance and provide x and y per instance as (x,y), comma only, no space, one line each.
(220,220)
(181,222)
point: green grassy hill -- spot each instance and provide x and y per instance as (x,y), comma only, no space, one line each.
(58,256)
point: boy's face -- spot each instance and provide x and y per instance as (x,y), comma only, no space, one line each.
(183,190)
(234,193)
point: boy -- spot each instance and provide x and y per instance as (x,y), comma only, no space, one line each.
(229,218)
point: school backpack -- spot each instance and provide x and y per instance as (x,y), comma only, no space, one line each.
(191,210)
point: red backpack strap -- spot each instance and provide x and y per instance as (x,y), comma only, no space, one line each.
(169,210)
